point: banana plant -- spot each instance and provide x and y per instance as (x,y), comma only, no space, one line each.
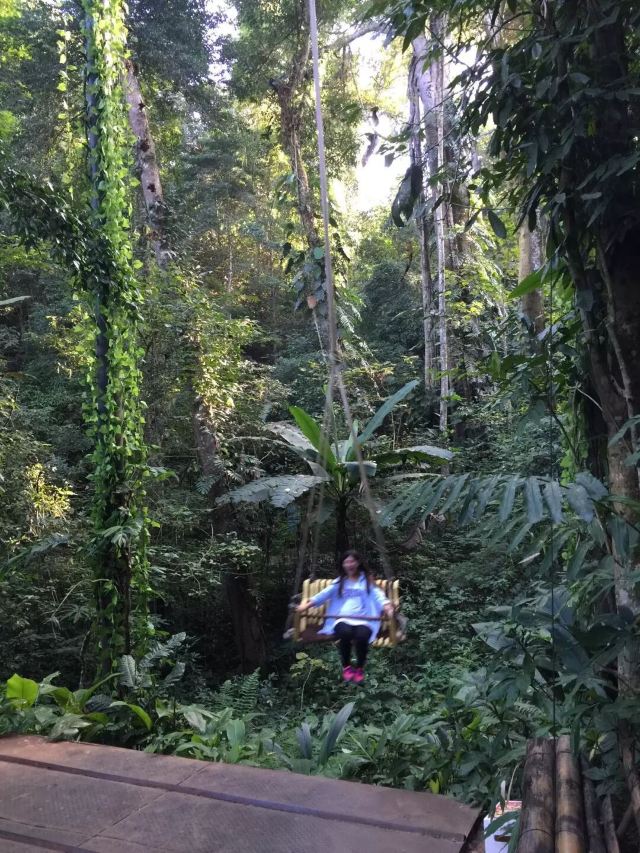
(333,462)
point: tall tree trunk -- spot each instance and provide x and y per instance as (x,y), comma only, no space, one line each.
(530,259)
(147,167)
(102,339)
(430,86)
(426,282)
(440,227)
(289,103)
(425,71)
(247,627)
(119,453)
(612,327)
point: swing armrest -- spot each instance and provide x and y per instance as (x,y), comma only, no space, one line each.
(393,633)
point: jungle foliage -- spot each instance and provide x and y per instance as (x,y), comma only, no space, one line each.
(163,381)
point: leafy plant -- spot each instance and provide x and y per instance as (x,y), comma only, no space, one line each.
(333,463)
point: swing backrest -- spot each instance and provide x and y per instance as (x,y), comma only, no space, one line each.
(309,623)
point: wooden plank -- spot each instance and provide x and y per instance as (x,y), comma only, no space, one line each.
(91,798)
(422,811)
(63,807)
(229,829)
(537,819)
(92,756)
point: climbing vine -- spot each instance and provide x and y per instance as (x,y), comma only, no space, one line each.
(115,415)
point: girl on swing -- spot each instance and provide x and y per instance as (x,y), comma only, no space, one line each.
(355,608)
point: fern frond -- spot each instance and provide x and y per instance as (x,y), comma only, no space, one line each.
(469,498)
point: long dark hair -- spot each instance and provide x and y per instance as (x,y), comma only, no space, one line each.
(364,570)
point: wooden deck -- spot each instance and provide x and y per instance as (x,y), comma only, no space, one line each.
(78,797)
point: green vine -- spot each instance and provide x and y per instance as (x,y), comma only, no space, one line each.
(115,415)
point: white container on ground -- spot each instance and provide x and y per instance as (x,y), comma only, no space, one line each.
(498,842)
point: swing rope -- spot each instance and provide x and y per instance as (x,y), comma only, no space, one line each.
(334,355)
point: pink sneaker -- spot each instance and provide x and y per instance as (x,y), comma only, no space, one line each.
(348,673)
(358,675)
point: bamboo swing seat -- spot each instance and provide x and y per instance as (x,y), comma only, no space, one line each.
(307,626)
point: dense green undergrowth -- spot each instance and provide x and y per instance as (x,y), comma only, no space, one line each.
(447,711)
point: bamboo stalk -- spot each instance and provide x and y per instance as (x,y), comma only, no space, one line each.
(595,840)
(609,827)
(569,809)
(538,801)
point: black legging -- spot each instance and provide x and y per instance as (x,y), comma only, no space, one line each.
(359,635)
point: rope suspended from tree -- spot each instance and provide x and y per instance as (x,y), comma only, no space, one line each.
(334,355)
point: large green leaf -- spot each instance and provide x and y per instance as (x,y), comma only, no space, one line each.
(128,671)
(569,650)
(303,736)
(520,536)
(346,448)
(535,509)
(236,732)
(553,499)
(595,489)
(335,730)
(508,498)
(291,434)
(419,453)
(388,405)
(498,226)
(279,491)
(195,718)
(486,493)
(531,282)
(140,713)
(458,485)
(311,429)
(580,502)
(22,691)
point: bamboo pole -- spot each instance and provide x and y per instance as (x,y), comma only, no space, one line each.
(609,827)
(569,809)
(538,801)
(595,840)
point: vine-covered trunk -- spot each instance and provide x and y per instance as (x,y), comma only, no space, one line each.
(290,118)
(115,418)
